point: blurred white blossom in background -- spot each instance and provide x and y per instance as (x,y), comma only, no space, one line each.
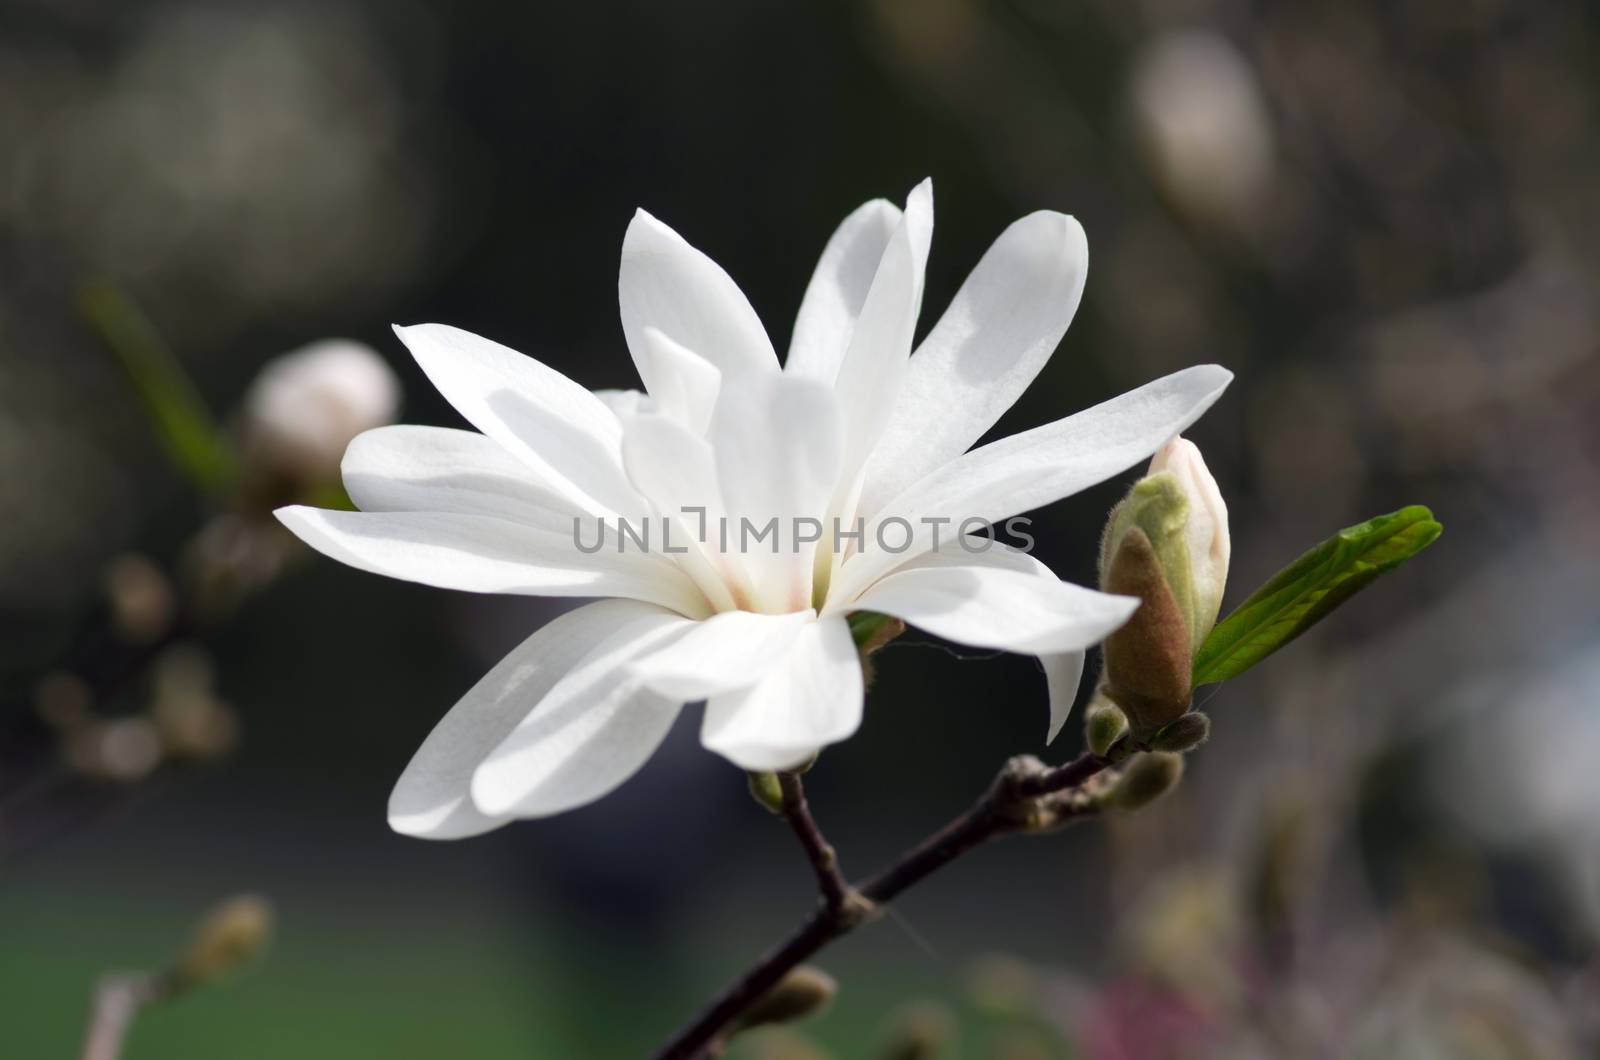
(307,405)
(1203,125)
(222,164)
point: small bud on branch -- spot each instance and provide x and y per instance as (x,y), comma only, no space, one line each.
(766,790)
(229,937)
(1184,734)
(1145,779)
(1104,724)
(802,993)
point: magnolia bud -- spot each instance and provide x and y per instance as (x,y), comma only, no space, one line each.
(306,406)
(1147,661)
(230,936)
(1146,778)
(1185,734)
(802,993)
(1206,532)
(1104,724)
(1167,544)
(767,790)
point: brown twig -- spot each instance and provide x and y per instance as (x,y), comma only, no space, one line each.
(835,889)
(1026,796)
(1023,797)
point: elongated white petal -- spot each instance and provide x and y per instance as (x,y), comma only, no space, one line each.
(626,402)
(668,285)
(559,429)
(978,550)
(484,555)
(727,651)
(998,333)
(433,797)
(1063,670)
(989,607)
(686,384)
(1063,673)
(874,364)
(439,469)
(809,701)
(594,728)
(777,442)
(1032,469)
(676,470)
(837,290)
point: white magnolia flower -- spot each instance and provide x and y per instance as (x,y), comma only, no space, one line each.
(852,426)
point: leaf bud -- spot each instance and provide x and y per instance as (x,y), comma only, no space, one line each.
(767,790)
(1184,734)
(802,993)
(1145,779)
(1104,724)
(227,938)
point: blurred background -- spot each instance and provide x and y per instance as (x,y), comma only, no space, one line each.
(1379,215)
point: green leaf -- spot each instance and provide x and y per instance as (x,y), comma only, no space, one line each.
(1307,590)
(181,420)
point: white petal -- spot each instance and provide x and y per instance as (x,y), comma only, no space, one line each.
(1063,670)
(668,285)
(990,607)
(837,290)
(811,700)
(777,443)
(978,550)
(593,730)
(874,363)
(677,472)
(559,429)
(479,554)
(1063,673)
(433,796)
(626,402)
(686,384)
(997,334)
(406,468)
(1034,468)
(727,651)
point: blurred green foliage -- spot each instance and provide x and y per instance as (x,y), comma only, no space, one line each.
(177,412)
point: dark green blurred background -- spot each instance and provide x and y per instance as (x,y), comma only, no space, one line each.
(1379,215)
